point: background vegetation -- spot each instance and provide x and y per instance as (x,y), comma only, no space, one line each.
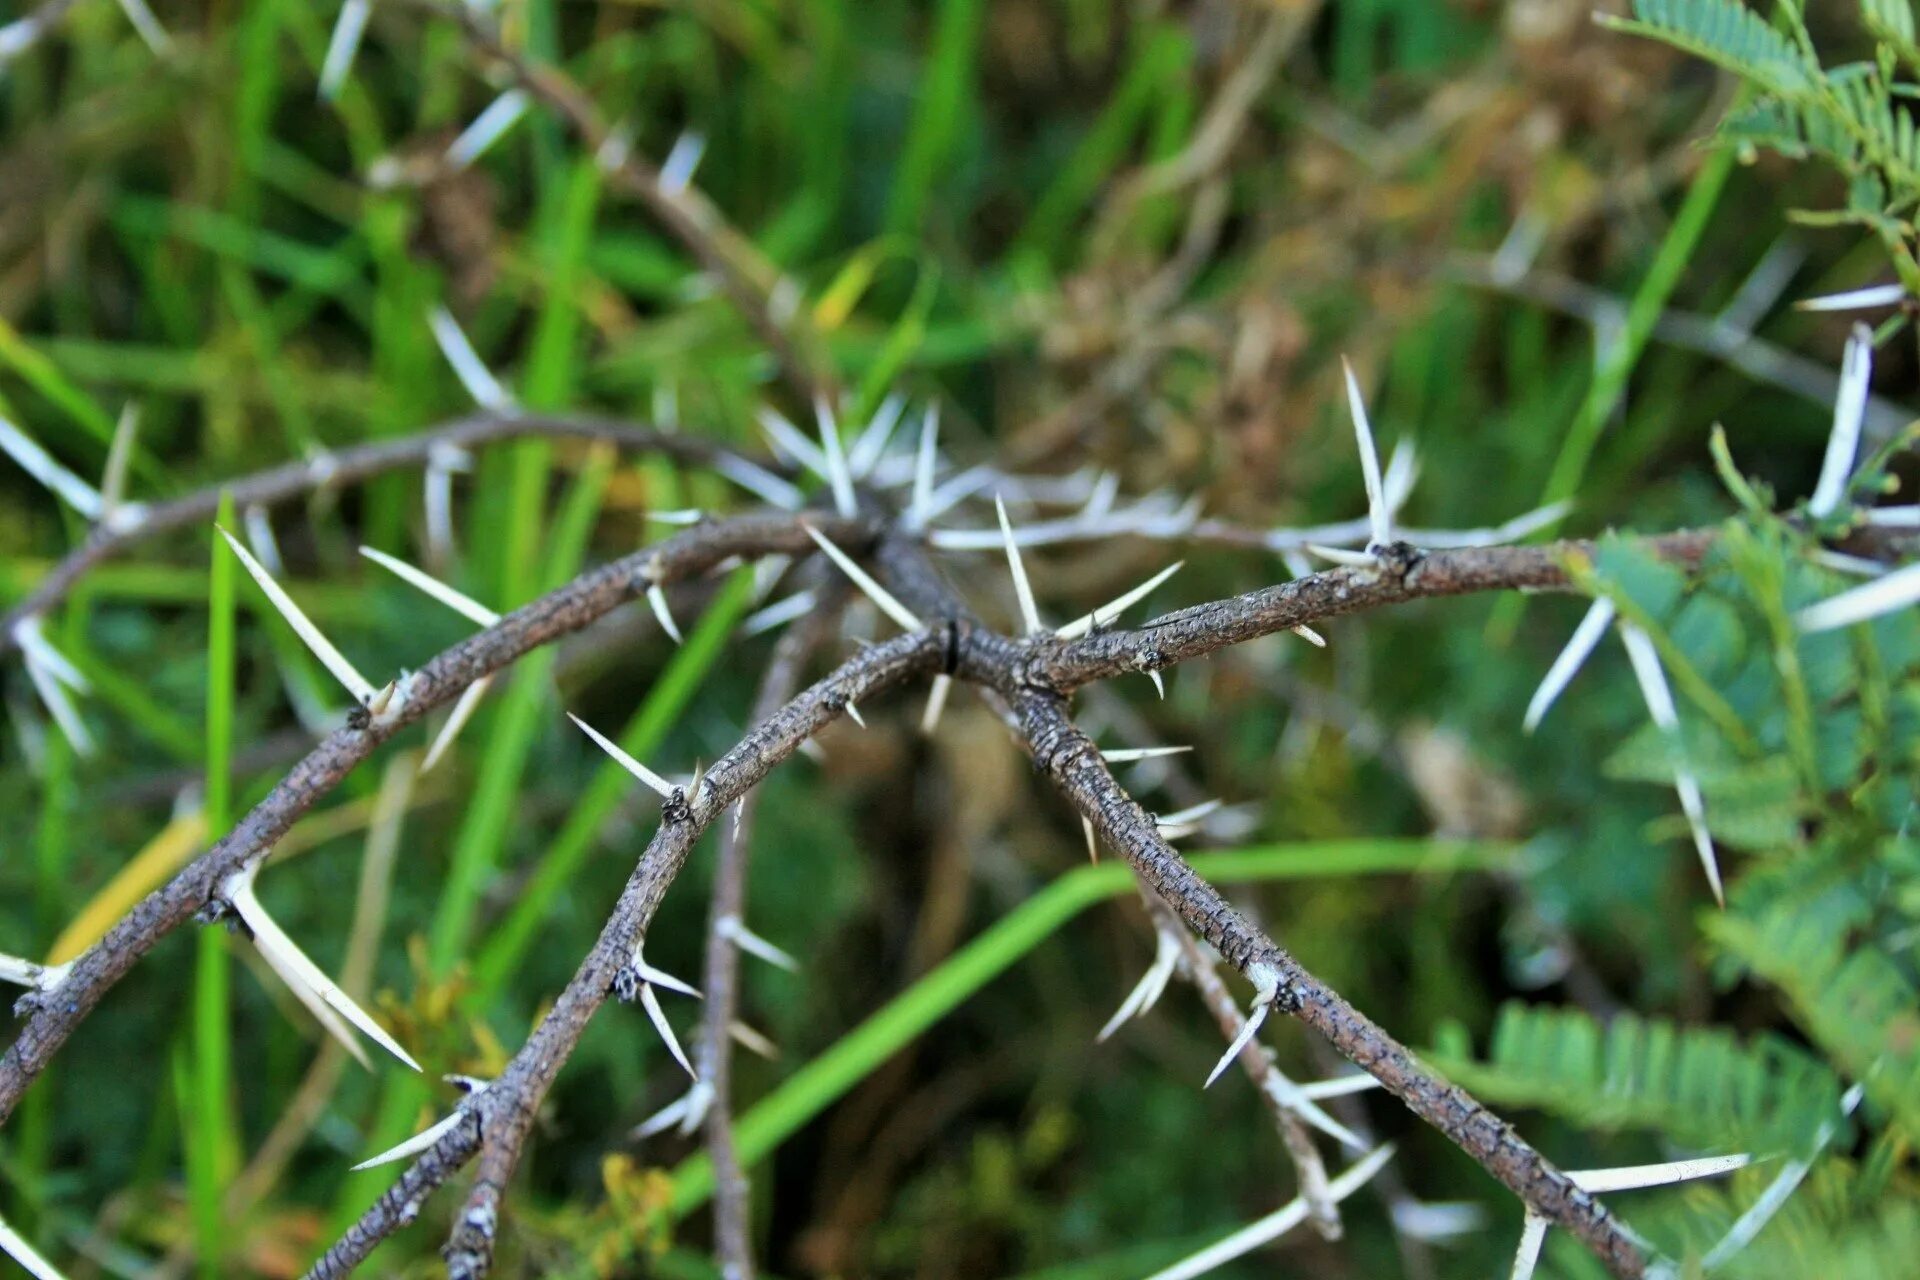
(1129,237)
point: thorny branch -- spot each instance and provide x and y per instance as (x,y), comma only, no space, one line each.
(1257,1060)
(1033,678)
(56,1013)
(113,537)
(506,1110)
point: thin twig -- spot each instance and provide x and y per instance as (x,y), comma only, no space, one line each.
(1258,1062)
(749,282)
(348,466)
(732,1202)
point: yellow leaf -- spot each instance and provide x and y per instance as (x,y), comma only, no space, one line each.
(163,855)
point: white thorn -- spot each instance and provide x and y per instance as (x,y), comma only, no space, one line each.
(658,1017)
(1533,1234)
(1878,295)
(760,482)
(1146,992)
(22,1252)
(437,498)
(779,613)
(838,474)
(1298,1099)
(1849,414)
(853,713)
(500,115)
(356,684)
(615,149)
(413,1146)
(1277,1223)
(1127,755)
(1895,591)
(921,505)
(467,365)
(60,706)
(1344,556)
(1159,685)
(1185,817)
(1262,1003)
(1311,636)
(148,26)
(1403,469)
(39,464)
(936,704)
(657,601)
(1839,562)
(753,944)
(791,441)
(292,963)
(885,599)
(1339,1086)
(456,600)
(1029,612)
(872,443)
(265,547)
(1632,1178)
(625,761)
(113,479)
(684,516)
(752,1041)
(1113,608)
(676,171)
(1659,698)
(660,977)
(1093,845)
(685,1111)
(1586,636)
(25,973)
(1378,514)
(1513,530)
(31,637)
(342,46)
(17,37)
(956,490)
(456,720)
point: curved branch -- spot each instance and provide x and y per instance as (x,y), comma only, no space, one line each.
(1404,573)
(57,1012)
(347,466)
(1075,765)
(508,1106)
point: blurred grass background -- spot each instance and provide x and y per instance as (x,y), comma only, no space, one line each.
(1127,236)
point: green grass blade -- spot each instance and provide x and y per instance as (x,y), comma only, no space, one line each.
(945,91)
(213,1151)
(853,1057)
